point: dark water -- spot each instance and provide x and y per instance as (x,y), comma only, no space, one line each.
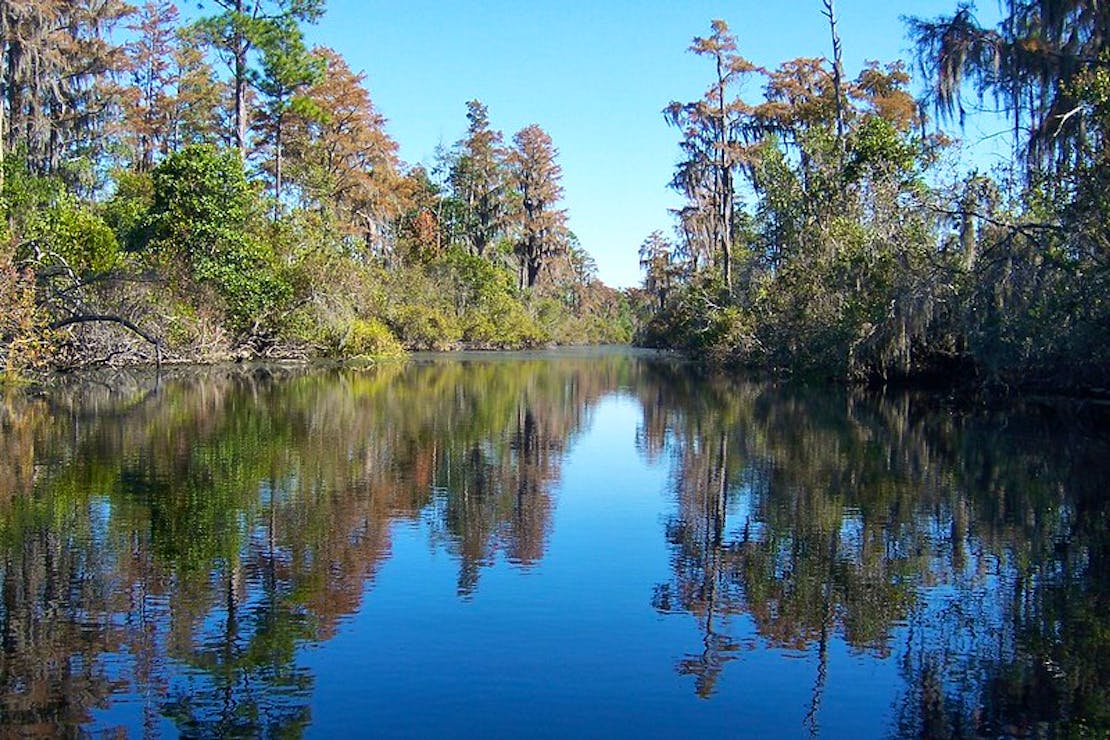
(582,544)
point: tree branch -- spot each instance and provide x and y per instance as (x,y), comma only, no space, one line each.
(110,318)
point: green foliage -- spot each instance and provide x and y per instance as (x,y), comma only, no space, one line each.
(503,323)
(424,327)
(77,235)
(48,224)
(201,199)
(368,338)
(126,211)
(204,215)
(877,144)
(698,320)
(26,194)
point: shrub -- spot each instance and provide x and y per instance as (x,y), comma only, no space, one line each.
(202,214)
(23,342)
(368,338)
(425,327)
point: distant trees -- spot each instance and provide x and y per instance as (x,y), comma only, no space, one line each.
(662,272)
(121,207)
(852,259)
(537,177)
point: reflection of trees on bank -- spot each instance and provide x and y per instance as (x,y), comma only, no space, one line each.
(226,519)
(971,547)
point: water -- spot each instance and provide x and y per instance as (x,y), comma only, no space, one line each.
(579,543)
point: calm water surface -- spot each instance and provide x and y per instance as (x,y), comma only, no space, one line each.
(572,544)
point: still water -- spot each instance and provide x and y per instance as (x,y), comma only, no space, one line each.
(594,543)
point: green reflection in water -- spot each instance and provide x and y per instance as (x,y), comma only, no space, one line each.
(180,540)
(972,546)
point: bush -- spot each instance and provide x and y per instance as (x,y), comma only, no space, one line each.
(78,236)
(23,341)
(203,215)
(425,327)
(502,323)
(126,211)
(368,338)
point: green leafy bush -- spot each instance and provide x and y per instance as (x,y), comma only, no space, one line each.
(424,327)
(203,214)
(368,338)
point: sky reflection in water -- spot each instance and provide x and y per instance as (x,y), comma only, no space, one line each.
(545,544)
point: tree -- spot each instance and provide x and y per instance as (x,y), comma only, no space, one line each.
(542,226)
(201,218)
(195,111)
(478,180)
(151,61)
(56,61)
(1032,63)
(287,70)
(712,130)
(657,261)
(341,156)
(236,32)
(1041,302)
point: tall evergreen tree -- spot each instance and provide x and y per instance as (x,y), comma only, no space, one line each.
(287,69)
(236,31)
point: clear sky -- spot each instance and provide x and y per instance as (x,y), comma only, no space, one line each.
(595,75)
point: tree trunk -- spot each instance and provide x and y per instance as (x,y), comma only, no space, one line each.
(724,180)
(240,87)
(277,166)
(534,266)
(838,76)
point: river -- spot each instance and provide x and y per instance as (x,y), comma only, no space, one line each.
(573,543)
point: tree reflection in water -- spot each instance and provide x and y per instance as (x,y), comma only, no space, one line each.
(180,542)
(206,527)
(972,545)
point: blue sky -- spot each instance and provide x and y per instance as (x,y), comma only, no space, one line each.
(595,75)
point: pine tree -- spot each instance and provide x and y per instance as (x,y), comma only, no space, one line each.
(235,33)
(286,71)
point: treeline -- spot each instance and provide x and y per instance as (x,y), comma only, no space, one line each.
(830,230)
(218,188)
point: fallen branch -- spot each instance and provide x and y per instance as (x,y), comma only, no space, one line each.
(110,318)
